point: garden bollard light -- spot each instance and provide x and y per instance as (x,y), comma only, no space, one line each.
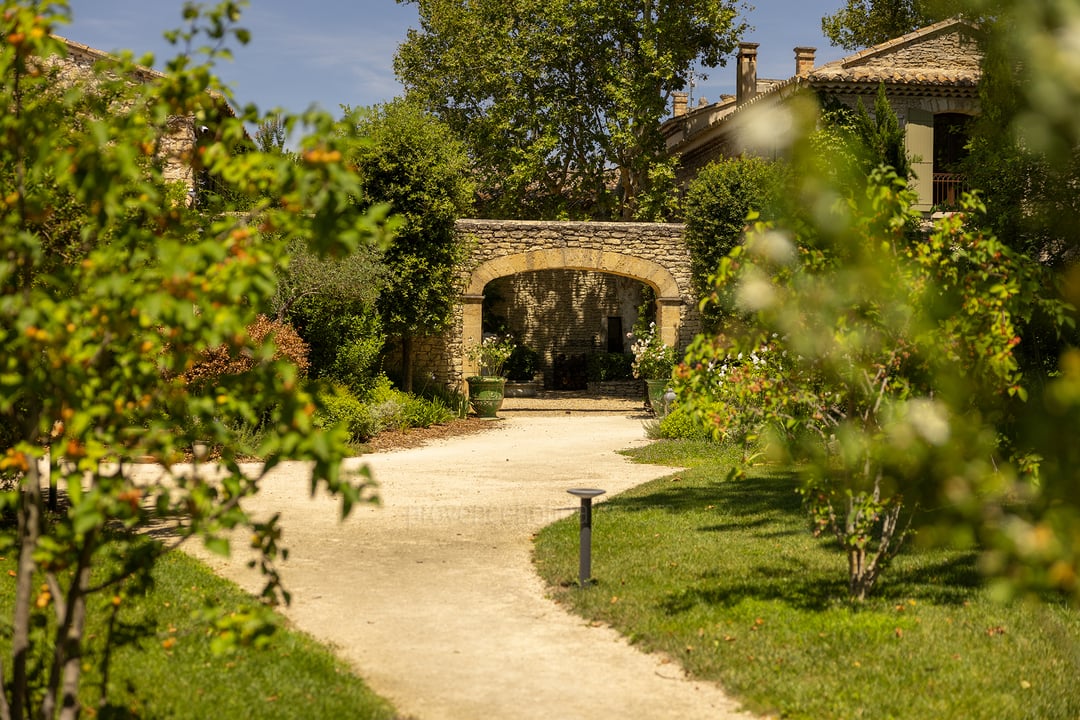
(585,553)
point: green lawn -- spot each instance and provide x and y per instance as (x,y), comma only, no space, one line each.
(162,665)
(723,576)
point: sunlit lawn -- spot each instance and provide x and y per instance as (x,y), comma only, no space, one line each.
(162,665)
(723,576)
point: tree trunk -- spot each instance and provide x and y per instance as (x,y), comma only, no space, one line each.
(406,362)
(858,578)
(29,514)
(71,642)
(66,669)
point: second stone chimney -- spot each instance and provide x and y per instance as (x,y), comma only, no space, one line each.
(746,86)
(804,60)
(678,103)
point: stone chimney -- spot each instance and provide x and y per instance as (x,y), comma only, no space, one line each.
(746,87)
(678,103)
(804,60)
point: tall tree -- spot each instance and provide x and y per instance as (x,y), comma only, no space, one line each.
(882,136)
(560,101)
(415,164)
(863,23)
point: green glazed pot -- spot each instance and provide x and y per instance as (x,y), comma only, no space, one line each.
(656,390)
(486,395)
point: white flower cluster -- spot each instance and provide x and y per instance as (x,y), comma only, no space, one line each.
(652,358)
(491,354)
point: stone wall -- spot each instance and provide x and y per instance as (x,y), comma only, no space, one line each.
(955,48)
(177,142)
(527,264)
(564,312)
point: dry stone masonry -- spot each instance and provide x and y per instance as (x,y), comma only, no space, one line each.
(560,284)
(176,144)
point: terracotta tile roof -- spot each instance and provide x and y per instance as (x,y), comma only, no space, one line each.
(901,76)
(891,62)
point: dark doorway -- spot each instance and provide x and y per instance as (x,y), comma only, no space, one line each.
(950,141)
(951,133)
(615,338)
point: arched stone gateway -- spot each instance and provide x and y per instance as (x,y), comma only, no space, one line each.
(652,254)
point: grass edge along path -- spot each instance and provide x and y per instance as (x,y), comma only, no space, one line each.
(162,664)
(724,577)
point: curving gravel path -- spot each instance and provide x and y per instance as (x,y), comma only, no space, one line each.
(432,596)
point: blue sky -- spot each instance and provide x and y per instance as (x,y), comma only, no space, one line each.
(334,52)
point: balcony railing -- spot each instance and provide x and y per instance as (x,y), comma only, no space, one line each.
(948,187)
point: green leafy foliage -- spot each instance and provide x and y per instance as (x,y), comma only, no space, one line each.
(393,409)
(551,96)
(653,359)
(602,367)
(678,424)
(97,342)
(332,303)
(381,408)
(1024,153)
(719,203)
(491,354)
(340,406)
(1029,189)
(877,342)
(411,161)
(522,364)
(881,137)
(863,23)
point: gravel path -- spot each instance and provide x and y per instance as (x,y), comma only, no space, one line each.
(432,596)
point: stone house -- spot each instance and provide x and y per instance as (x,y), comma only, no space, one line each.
(182,134)
(931,78)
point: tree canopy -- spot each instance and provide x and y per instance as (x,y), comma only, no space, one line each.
(864,23)
(719,202)
(560,101)
(412,162)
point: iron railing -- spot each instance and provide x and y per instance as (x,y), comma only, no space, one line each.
(948,187)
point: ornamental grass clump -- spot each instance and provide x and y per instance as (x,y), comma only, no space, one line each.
(653,360)
(491,354)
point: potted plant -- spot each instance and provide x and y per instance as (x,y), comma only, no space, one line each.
(486,390)
(523,378)
(653,363)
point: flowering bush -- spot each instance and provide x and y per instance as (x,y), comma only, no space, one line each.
(739,395)
(653,360)
(491,354)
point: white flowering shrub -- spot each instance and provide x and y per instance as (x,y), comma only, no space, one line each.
(653,360)
(491,354)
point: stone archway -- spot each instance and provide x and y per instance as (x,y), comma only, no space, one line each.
(662,282)
(651,253)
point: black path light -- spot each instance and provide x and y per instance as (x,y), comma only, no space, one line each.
(585,553)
